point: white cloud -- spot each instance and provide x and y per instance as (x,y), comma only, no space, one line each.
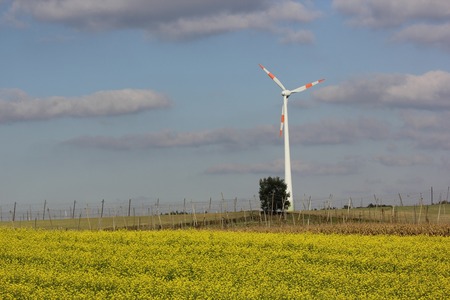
(417,21)
(364,90)
(227,138)
(429,91)
(426,34)
(225,22)
(174,20)
(16,105)
(388,13)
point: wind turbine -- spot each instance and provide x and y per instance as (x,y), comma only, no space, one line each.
(284,122)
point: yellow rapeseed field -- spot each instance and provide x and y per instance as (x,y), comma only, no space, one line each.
(191,264)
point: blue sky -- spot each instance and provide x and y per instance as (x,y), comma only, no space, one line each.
(164,99)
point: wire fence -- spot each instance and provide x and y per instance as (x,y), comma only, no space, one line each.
(144,207)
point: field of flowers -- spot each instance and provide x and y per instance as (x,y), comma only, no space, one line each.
(205,264)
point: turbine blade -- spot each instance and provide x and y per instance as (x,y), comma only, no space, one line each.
(273,77)
(282,120)
(306,86)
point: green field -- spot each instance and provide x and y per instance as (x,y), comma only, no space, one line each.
(219,264)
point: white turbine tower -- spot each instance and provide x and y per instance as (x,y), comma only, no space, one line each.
(284,122)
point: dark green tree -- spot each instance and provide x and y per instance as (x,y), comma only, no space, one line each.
(273,194)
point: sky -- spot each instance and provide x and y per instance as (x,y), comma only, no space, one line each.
(165,100)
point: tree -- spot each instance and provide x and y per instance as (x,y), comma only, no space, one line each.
(273,195)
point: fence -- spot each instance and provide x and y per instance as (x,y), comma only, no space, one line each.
(17,212)
(327,207)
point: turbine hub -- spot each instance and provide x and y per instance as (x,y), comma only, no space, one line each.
(286,93)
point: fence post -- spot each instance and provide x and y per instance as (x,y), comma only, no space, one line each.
(43,213)
(50,218)
(103,204)
(73,211)
(14,212)
(431,195)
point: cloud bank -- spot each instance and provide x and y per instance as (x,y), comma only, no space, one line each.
(226,138)
(330,132)
(422,103)
(16,105)
(416,21)
(171,20)
(429,91)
